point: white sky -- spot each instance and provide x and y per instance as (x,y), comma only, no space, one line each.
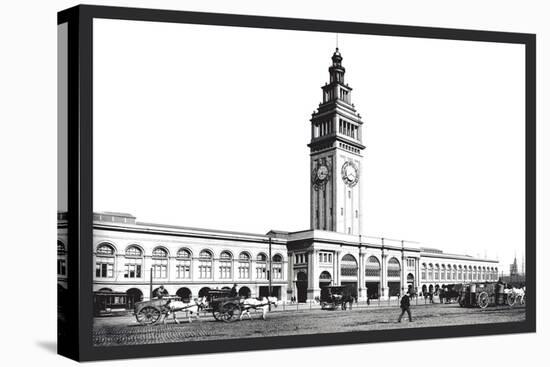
(207,126)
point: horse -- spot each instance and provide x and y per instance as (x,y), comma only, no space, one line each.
(257,304)
(519,294)
(191,308)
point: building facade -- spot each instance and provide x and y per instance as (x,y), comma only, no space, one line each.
(132,258)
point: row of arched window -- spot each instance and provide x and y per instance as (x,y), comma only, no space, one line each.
(372,267)
(183,262)
(458,272)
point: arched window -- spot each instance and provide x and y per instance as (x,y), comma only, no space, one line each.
(454,272)
(349,266)
(372,267)
(460,272)
(105,261)
(424,271)
(226,265)
(472,274)
(448,271)
(277,266)
(61,259)
(105,250)
(244,265)
(436,274)
(430,272)
(205,265)
(261,266)
(394,269)
(183,264)
(324,280)
(133,262)
(160,263)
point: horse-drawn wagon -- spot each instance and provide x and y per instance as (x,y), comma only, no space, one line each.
(223,306)
(484,294)
(149,312)
(336,296)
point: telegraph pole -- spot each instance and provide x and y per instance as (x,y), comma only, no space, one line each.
(151,284)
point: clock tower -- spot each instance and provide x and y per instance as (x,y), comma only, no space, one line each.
(336,151)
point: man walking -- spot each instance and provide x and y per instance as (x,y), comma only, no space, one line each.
(405,307)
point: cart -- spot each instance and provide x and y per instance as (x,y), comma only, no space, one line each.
(336,296)
(150,312)
(484,294)
(223,306)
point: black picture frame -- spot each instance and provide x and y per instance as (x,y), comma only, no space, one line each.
(76,342)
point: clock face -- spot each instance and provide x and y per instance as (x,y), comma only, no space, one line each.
(350,173)
(319,176)
(322,173)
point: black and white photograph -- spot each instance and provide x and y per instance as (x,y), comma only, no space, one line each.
(274,183)
(262,182)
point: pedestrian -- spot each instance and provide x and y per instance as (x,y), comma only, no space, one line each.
(160,292)
(368,300)
(405,307)
(233,292)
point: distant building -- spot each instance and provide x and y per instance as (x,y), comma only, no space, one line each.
(514,267)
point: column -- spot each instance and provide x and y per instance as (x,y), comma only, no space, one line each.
(290,276)
(310,286)
(403,274)
(383,277)
(172,274)
(336,268)
(362,296)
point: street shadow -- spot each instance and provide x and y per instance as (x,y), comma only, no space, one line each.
(48,345)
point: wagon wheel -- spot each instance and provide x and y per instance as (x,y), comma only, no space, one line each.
(483,300)
(217,313)
(230,312)
(511,299)
(148,315)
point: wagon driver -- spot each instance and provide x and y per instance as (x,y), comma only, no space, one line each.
(233,292)
(161,292)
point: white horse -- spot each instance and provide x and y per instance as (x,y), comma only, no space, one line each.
(520,294)
(192,308)
(257,305)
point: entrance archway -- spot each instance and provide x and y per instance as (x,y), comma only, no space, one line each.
(348,273)
(301,286)
(410,283)
(203,292)
(245,292)
(325,279)
(134,295)
(394,277)
(372,277)
(184,294)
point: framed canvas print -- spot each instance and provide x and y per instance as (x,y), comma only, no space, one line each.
(231,182)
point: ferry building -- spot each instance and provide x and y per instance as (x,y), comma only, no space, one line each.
(131,257)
